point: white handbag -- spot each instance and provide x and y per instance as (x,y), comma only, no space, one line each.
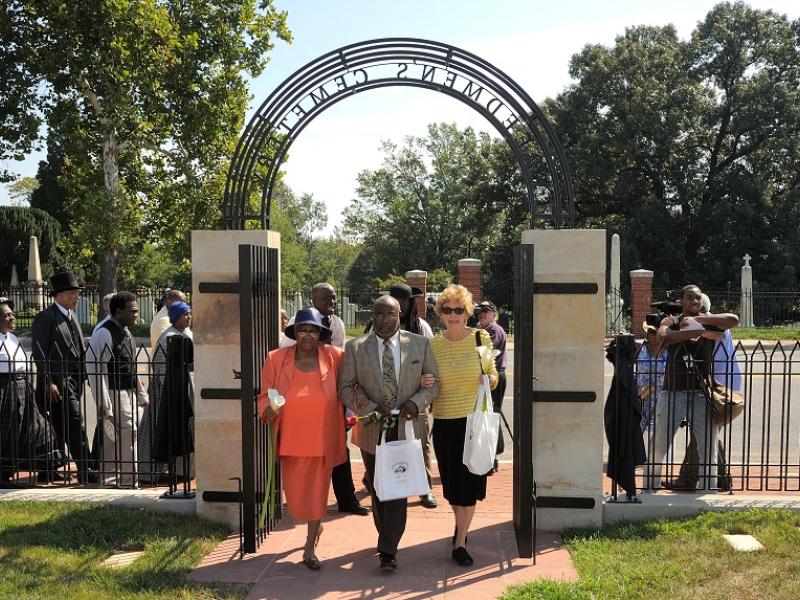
(483,427)
(400,468)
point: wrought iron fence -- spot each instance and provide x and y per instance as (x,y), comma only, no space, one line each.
(617,318)
(685,445)
(99,420)
(768,307)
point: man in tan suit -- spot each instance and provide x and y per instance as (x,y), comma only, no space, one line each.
(381,371)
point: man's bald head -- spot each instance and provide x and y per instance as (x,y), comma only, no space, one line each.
(386,316)
(174,296)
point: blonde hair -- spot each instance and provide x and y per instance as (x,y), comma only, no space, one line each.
(455,293)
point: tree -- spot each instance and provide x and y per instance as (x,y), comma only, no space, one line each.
(17,225)
(154,92)
(689,149)
(297,219)
(432,202)
(21,190)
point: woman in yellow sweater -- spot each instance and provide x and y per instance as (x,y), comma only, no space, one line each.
(460,375)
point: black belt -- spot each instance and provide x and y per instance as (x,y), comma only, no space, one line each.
(12,376)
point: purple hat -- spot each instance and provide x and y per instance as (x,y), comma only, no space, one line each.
(176,310)
(307,316)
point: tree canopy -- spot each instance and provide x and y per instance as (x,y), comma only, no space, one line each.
(689,148)
(17,225)
(151,98)
(429,205)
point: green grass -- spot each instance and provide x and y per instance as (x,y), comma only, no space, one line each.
(54,550)
(679,560)
(767,333)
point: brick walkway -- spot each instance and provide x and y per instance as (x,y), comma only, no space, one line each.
(425,569)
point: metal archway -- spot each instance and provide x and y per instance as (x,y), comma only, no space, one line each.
(397,62)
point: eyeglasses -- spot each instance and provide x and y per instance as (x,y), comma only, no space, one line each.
(459,310)
(311,333)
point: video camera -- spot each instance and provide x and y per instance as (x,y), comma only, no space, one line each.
(665,308)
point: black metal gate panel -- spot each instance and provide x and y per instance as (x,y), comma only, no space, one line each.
(259,298)
(524,507)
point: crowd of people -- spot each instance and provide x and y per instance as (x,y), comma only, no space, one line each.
(399,371)
(45,407)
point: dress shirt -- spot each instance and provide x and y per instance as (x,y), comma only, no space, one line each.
(425,328)
(64,311)
(12,354)
(100,324)
(394,342)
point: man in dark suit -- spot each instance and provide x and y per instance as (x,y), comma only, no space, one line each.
(59,354)
(381,371)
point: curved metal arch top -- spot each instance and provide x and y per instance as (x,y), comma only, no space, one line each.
(398,62)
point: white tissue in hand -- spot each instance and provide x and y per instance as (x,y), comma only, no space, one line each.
(275,399)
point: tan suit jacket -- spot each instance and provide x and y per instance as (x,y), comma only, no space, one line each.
(361,366)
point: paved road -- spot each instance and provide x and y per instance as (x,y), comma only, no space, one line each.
(768,431)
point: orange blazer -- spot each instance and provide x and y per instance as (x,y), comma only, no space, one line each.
(277,372)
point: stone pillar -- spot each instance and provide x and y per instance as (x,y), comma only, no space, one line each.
(218,423)
(641,298)
(746,318)
(568,341)
(419,279)
(469,275)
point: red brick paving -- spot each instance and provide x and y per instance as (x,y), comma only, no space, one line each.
(425,569)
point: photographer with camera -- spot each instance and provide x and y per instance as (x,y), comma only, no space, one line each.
(689,339)
(727,370)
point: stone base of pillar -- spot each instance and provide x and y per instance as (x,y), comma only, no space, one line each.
(569,336)
(218,423)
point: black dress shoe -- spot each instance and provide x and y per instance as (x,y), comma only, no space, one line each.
(428,501)
(89,477)
(355,509)
(461,556)
(388,562)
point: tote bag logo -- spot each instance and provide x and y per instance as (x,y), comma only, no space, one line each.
(400,468)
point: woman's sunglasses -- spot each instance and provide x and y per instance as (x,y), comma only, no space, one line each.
(459,310)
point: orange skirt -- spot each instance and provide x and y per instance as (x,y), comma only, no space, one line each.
(306,481)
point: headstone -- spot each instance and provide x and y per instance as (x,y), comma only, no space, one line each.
(14,277)
(298,303)
(746,318)
(34,286)
(34,264)
(614,298)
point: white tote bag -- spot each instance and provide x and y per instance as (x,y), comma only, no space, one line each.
(400,468)
(483,427)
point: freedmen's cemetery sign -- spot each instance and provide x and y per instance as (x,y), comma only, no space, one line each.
(353,81)
(398,62)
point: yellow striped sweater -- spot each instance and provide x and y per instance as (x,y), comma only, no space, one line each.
(459,371)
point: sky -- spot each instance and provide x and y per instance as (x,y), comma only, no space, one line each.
(530,40)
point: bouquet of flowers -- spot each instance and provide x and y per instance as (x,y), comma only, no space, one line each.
(487,356)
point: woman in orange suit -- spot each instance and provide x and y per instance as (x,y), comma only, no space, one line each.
(310,438)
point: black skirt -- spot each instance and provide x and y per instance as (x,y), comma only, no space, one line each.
(461,488)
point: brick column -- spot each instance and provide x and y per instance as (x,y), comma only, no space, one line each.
(469,275)
(419,279)
(641,298)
